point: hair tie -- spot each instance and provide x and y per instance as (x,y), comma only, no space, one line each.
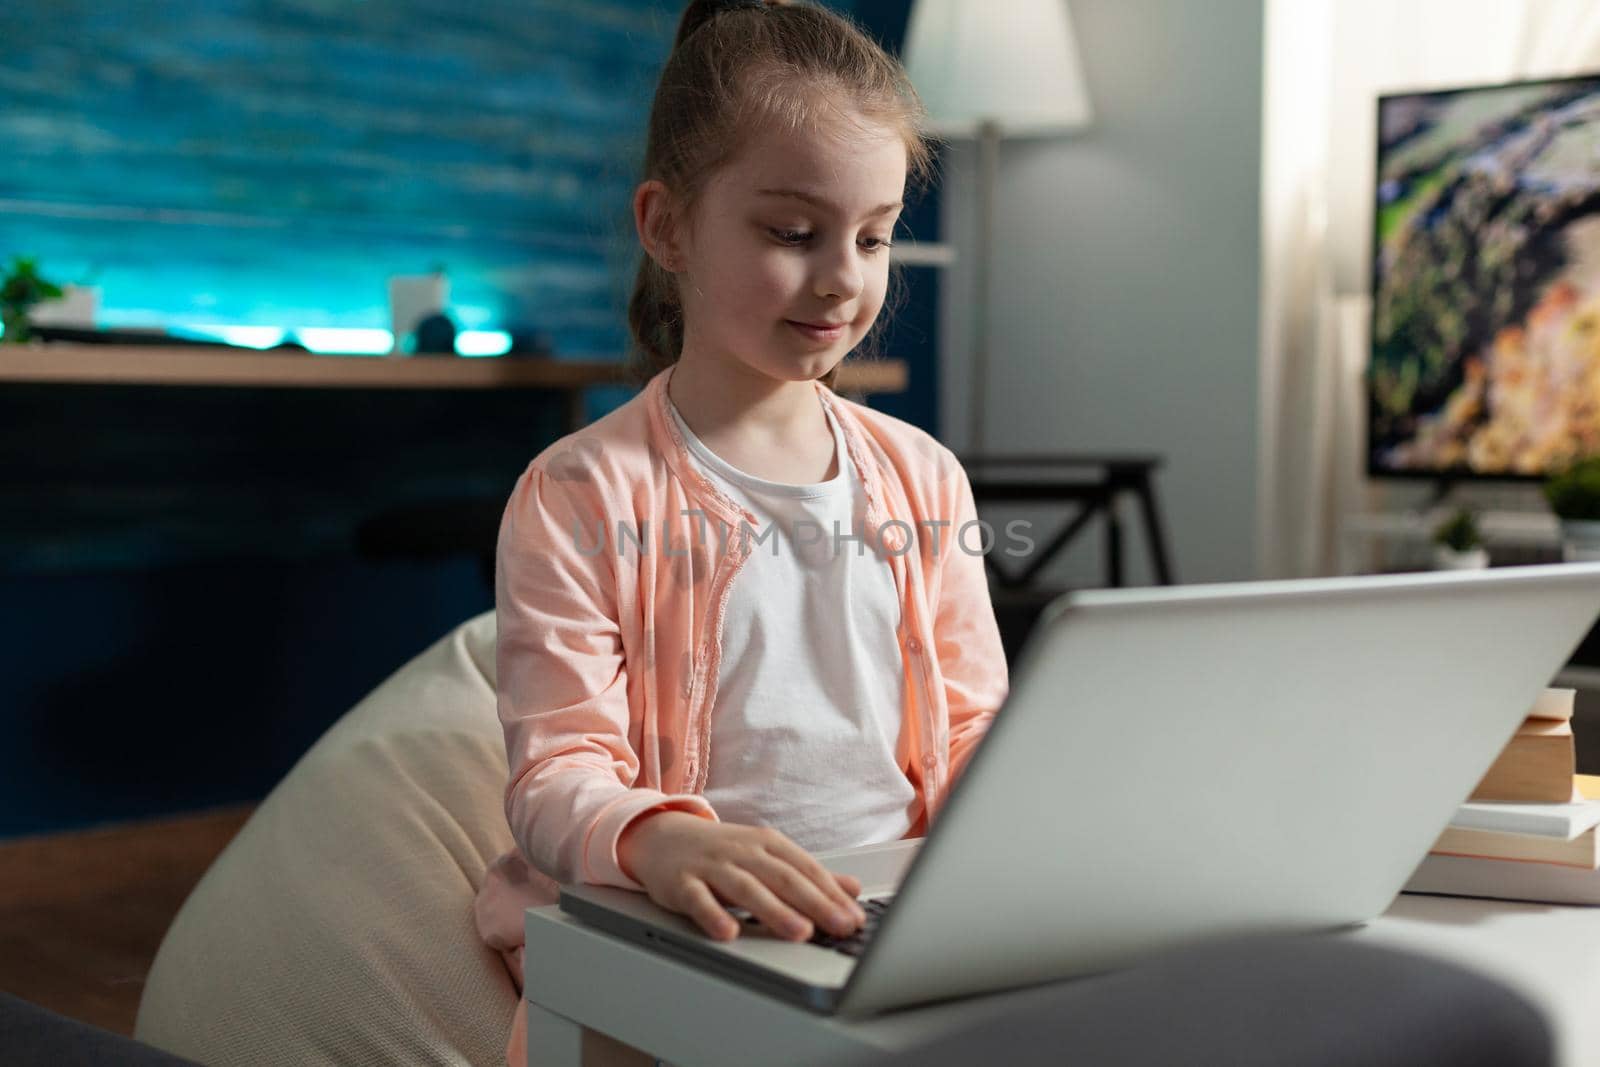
(699,15)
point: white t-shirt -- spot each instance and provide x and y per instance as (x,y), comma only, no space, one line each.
(810,692)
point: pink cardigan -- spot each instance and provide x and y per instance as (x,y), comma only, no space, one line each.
(610,641)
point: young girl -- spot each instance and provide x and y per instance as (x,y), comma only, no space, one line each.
(742,619)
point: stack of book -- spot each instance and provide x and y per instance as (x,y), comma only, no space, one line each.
(1538,763)
(1531,829)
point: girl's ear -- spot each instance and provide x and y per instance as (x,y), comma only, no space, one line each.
(654,218)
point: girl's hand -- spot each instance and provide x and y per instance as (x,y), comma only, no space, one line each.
(688,864)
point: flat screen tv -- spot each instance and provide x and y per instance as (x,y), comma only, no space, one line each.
(1485,358)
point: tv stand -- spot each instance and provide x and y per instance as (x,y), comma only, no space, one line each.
(1401,540)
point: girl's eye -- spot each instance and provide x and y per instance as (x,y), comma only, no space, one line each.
(794,237)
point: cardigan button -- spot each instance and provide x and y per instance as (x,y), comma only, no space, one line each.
(913,646)
(930,761)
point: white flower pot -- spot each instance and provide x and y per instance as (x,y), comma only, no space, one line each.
(1580,540)
(78,305)
(1446,558)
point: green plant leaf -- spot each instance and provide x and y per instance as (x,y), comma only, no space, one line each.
(1460,531)
(1575,492)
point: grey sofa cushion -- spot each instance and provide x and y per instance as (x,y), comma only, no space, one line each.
(32,1035)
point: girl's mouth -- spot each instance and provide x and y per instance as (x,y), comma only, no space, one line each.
(818,333)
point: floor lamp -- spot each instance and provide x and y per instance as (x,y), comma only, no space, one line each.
(987,70)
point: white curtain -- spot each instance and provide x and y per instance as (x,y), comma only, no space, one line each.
(1326,62)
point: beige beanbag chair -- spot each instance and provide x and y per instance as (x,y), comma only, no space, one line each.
(337,927)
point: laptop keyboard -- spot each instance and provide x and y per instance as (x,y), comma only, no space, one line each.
(852,945)
(856,943)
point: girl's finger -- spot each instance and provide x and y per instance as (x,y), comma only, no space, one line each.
(809,866)
(697,902)
(739,886)
(805,895)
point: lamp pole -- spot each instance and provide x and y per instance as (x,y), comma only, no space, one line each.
(988,175)
(981,68)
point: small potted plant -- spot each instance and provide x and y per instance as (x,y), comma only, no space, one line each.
(1458,543)
(1574,495)
(20,289)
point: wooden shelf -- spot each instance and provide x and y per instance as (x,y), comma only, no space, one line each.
(154,365)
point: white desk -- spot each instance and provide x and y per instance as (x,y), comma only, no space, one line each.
(1550,953)
(578,976)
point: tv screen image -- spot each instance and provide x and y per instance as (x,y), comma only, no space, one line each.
(1486,281)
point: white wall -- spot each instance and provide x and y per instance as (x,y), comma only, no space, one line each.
(1126,273)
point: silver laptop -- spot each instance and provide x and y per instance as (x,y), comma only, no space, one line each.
(1177,764)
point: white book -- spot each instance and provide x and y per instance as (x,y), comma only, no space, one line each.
(1554,703)
(1468,876)
(1547,820)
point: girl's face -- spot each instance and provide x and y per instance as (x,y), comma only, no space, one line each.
(786,264)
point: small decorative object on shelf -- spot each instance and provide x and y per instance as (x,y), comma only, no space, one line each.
(1574,495)
(435,335)
(77,308)
(20,289)
(412,298)
(1458,543)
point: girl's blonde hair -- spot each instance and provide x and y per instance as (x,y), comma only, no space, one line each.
(742,65)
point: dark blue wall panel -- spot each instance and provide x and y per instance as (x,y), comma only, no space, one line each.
(136,692)
(272,162)
(913,334)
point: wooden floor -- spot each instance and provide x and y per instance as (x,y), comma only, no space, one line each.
(81,914)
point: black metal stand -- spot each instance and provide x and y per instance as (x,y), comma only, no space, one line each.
(1091,481)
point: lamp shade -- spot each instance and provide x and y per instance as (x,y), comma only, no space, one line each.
(1012,62)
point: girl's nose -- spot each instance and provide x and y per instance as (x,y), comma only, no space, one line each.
(839,277)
